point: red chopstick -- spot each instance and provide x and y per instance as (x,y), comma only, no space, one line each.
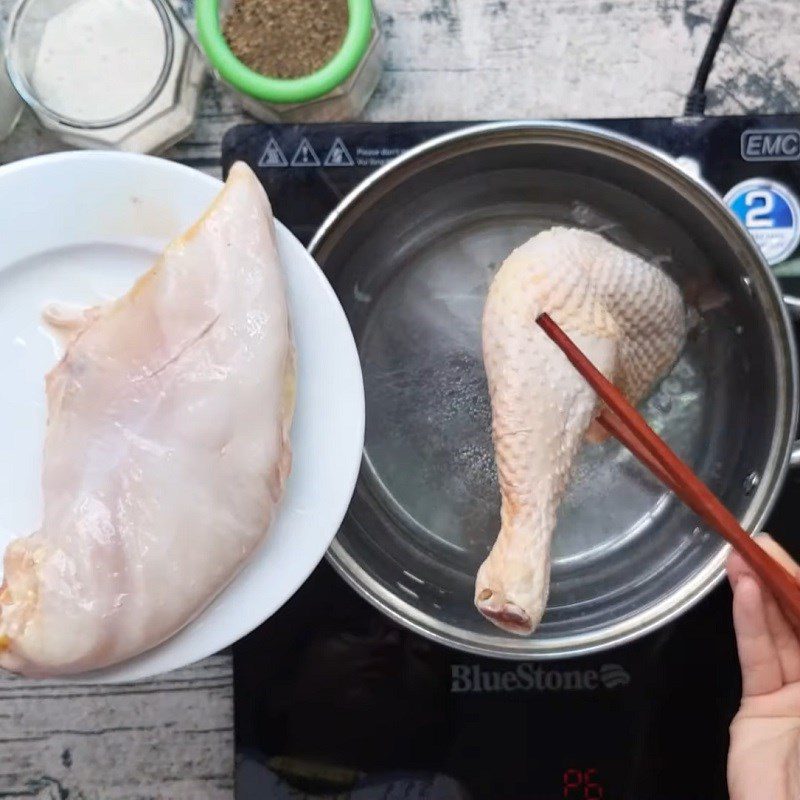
(626,424)
(623,434)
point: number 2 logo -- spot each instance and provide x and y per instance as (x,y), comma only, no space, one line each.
(770,212)
(758,216)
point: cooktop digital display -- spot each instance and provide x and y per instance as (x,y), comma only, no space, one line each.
(333,700)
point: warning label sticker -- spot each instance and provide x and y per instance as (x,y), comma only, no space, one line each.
(338,154)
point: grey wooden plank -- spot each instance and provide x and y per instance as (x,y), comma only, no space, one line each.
(483,59)
(457,59)
(166,737)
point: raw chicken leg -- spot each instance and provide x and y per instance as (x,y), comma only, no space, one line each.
(628,317)
(166,452)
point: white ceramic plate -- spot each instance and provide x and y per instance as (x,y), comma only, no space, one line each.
(79,228)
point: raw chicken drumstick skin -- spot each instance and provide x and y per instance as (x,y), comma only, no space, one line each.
(166,452)
(628,317)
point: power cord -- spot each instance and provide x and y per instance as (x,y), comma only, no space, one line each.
(696,99)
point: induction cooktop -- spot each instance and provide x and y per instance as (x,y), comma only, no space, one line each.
(333,700)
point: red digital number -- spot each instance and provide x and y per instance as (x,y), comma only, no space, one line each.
(592,790)
(582,785)
(573,780)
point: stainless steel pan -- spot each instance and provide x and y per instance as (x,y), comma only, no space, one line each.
(411,253)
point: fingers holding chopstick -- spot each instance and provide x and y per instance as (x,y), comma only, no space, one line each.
(762,629)
(758,653)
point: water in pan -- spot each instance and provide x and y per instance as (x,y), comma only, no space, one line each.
(428,442)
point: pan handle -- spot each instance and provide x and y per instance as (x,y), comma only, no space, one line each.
(793,307)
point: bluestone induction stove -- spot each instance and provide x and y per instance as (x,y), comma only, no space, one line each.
(333,700)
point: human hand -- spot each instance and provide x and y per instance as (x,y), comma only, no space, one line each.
(764,755)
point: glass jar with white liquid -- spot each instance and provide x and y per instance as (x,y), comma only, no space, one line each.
(121,74)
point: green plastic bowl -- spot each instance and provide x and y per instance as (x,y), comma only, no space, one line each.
(285,90)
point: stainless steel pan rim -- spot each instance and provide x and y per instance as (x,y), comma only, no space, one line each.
(782,451)
(451,636)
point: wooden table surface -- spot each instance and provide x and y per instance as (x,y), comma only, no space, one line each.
(446,59)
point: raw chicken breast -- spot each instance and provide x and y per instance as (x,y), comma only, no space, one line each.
(166,452)
(628,317)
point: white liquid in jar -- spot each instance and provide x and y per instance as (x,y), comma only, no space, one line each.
(99,59)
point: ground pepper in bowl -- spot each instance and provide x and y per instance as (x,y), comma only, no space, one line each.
(285,38)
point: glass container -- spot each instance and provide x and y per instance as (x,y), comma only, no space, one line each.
(10,102)
(339,90)
(75,64)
